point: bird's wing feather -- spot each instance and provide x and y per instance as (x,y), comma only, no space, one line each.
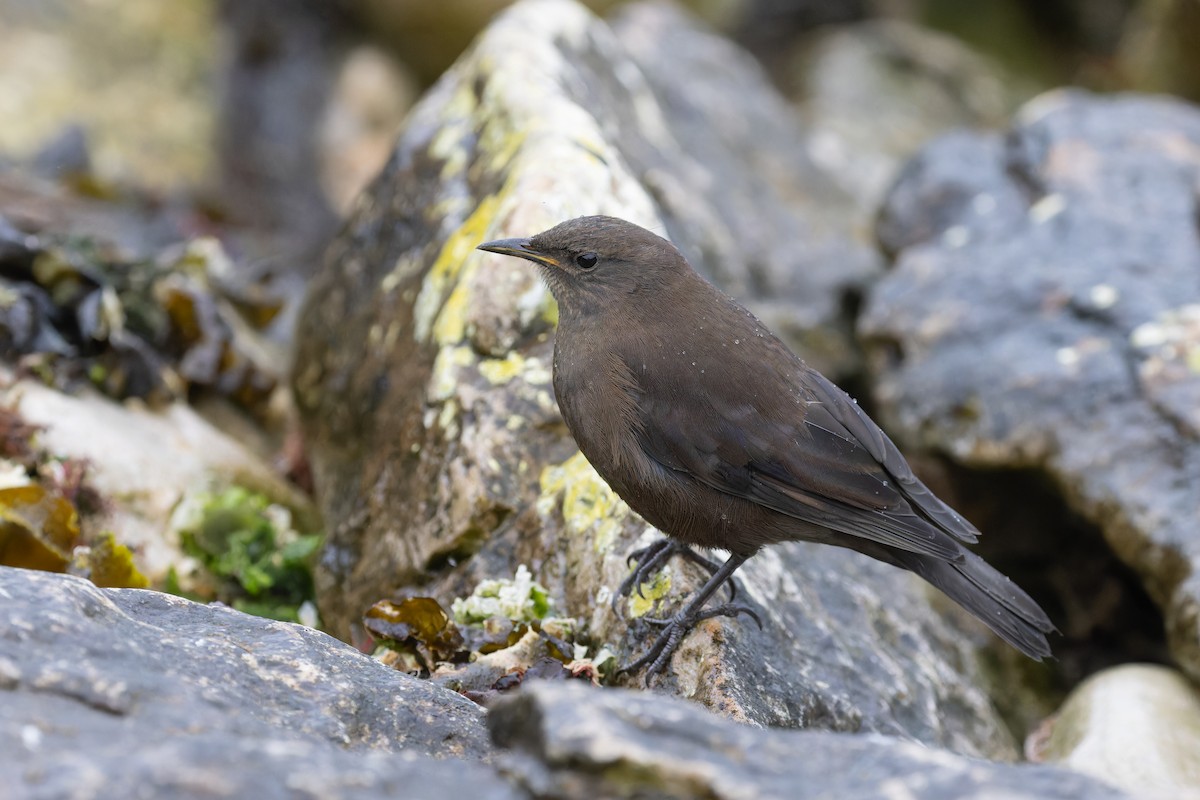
(855,421)
(824,463)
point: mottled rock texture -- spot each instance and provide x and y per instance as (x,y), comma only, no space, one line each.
(1044,314)
(621,744)
(124,692)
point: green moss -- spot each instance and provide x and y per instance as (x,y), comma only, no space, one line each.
(263,565)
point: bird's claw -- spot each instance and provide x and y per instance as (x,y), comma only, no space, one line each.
(674,629)
(650,559)
(646,562)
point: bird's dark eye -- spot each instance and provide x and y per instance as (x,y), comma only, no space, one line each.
(586,260)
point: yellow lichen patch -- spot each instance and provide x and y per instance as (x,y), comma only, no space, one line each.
(451,325)
(589,505)
(446,272)
(447,420)
(642,604)
(498,371)
(535,302)
(446,369)
(500,143)
(456,129)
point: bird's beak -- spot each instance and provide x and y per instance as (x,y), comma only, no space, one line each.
(516,247)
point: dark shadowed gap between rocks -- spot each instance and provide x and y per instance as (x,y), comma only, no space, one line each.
(1030,534)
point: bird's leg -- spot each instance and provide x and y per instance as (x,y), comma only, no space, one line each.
(650,559)
(710,565)
(677,626)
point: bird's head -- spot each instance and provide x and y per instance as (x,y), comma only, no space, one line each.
(598,262)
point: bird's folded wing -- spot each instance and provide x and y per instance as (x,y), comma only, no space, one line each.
(824,463)
(846,412)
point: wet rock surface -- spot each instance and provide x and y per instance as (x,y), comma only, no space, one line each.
(574,742)
(1042,314)
(423,372)
(1136,726)
(105,689)
(116,693)
(875,91)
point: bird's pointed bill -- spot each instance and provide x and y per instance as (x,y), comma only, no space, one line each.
(516,247)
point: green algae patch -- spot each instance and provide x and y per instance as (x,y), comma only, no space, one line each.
(589,505)
(520,599)
(260,563)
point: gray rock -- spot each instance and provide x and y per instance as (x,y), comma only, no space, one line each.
(572,741)
(876,91)
(423,373)
(277,77)
(105,689)
(215,765)
(1136,726)
(737,188)
(1044,312)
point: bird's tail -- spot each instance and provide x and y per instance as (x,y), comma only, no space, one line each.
(990,596)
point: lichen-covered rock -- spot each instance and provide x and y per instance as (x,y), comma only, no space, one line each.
(583,743)
(1136,726)
(424,366)
(123,692)
(1044,313)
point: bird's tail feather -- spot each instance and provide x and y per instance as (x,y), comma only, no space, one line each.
(988,595)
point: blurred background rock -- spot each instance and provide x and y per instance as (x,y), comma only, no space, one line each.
(274,113)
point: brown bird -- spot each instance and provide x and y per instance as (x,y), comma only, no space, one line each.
(711,429)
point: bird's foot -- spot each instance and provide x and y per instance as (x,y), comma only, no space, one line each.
(675,628)
(645,562)
(648,560)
